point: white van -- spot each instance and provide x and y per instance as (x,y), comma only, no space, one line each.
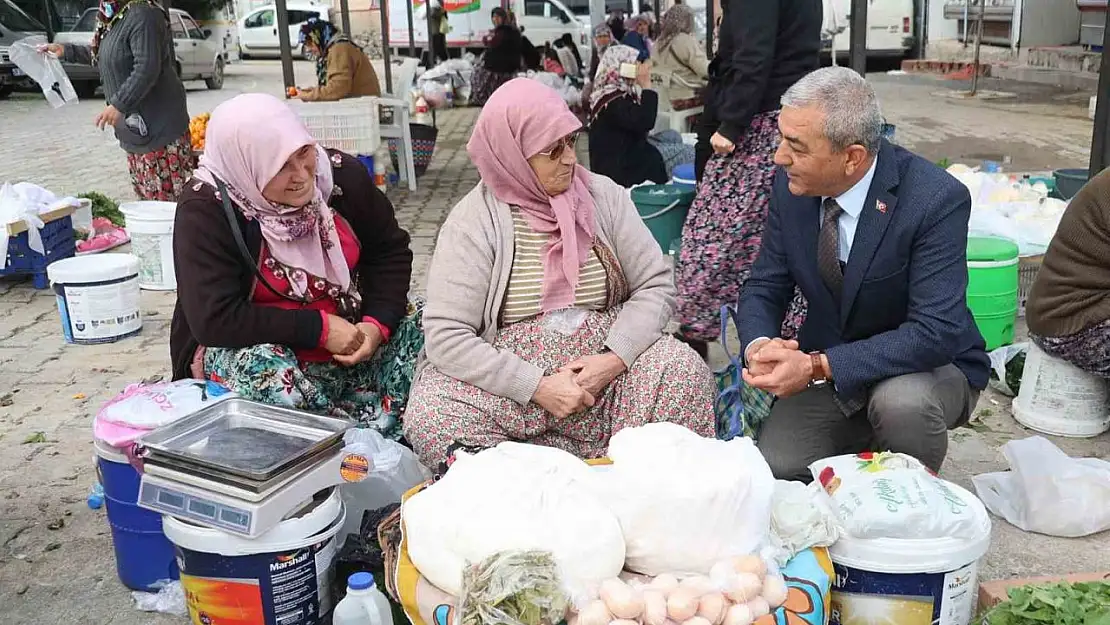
(541,20)
(890,28)
(258,35)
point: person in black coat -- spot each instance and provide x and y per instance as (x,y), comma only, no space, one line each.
(622,114)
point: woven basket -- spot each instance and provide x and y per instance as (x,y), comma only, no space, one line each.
(423,147)
(1028,266)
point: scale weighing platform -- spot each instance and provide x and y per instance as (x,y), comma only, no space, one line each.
(242,466)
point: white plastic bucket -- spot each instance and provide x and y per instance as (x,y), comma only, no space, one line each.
(1060,399)
(98,297)
(910,582)
(150,226)
(256,575)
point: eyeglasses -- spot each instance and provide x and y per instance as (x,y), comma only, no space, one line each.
(566,143)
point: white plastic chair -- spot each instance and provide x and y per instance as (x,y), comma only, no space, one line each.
(667,118)
(399,130)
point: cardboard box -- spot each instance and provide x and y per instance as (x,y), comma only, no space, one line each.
(994,592)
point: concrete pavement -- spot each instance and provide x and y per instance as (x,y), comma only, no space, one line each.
(56,562)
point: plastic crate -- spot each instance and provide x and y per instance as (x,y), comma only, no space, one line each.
(1028,266)
(350,126)
(59,242)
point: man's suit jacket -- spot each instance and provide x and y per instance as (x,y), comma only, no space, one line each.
(903,307)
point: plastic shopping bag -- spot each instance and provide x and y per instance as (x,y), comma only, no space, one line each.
(1048,492)
(393,470)
(46,70)
(1007,366)
(740,409)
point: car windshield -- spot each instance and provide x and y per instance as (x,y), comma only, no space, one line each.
(87,23)
(16,20)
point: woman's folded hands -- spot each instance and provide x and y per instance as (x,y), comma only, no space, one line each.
(351,343)
(575,386)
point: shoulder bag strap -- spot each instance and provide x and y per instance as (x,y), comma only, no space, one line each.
(233,222)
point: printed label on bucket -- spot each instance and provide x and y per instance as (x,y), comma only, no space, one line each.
(102,312)
(149,250)
(865,598)
(289,588)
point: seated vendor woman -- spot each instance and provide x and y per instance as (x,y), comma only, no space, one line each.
(342,69)
(547,302)
(292,273)
(1068,309)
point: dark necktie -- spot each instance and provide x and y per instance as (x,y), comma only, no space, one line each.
(828,248)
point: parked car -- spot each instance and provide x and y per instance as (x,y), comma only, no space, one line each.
(15,24)
(258,34)
(199,56)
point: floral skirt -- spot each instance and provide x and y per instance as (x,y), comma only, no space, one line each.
(1088,349)
(160,175)
(724,231)
(484,82)
(668,382)
(373,392)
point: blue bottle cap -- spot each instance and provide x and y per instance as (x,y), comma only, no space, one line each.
(360,581)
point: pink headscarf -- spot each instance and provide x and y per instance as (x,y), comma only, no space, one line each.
(249,139)
(522,118)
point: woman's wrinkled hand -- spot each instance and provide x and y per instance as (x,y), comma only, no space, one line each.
(109,118)
(720,144)
(370,344)
(344,338)
(561,396)
(304,94)
(643,75)
(594,373)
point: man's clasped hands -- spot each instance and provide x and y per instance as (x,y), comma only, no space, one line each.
(779,367)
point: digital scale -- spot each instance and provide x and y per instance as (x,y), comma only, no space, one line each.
(242,466)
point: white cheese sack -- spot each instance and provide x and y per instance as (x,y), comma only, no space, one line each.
(687,502)
(891,495)
(514,496)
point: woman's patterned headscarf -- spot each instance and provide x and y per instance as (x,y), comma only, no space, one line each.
(323,34)
(112,11)
(677,20)
(608,82)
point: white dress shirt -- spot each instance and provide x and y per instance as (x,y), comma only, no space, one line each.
(851,205)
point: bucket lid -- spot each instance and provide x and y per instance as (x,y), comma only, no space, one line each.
(294,533)
(662,194)
(991,248)
(93,268)
(148,210)
(684,171)
(901,556)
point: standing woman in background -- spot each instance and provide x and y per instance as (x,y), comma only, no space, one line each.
(765,47)
(145,100)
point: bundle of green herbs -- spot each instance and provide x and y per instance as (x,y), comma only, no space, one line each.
(104,206)
(513,588)
(1065,603)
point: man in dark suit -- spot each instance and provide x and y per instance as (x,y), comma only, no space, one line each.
(876,239)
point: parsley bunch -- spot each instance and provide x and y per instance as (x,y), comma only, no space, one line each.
(1065,603)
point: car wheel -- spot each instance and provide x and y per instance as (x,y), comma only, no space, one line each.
(5,91)
(216,80)
(86,89)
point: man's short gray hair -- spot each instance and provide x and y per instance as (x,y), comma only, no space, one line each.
(852,114)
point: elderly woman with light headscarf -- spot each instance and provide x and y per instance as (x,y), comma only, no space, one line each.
(679,56)
(292,273)
(547,302)
(622,113)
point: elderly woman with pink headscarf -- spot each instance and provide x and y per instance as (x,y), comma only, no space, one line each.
(292,272)
(547,302)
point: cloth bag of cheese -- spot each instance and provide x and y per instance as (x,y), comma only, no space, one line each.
(686,502)
(891,495)
(514,497)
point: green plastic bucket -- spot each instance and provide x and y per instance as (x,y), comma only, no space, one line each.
(992,288)
(663,208)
